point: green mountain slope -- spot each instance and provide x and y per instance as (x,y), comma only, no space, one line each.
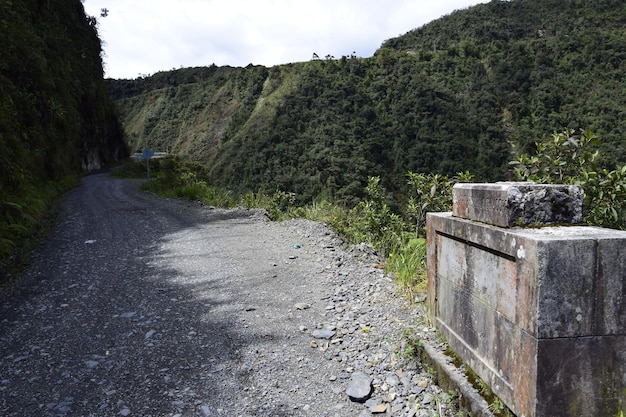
(57,118)
(462,93)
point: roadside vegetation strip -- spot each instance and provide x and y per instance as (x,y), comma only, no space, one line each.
(372,221)
(568,157)
(25,219)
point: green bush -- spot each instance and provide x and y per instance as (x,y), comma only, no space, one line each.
(277,205)
(130,169)
(24,216)
(321,210)
(569,157)
(172,177)
(430,193)
(372,221)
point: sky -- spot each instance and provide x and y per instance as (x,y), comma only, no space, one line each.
(142,37)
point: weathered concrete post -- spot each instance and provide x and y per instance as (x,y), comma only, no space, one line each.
(537,312)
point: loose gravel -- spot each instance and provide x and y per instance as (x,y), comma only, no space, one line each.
(142,306)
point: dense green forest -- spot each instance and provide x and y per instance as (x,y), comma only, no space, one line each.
(57,118)
(468,91)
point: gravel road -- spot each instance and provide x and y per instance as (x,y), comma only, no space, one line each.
(142,306)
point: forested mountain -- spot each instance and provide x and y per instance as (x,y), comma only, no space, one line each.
(57,118)
(465,92)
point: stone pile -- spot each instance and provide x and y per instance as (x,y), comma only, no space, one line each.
(364,327)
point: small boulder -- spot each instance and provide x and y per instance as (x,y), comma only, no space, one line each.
(360,387)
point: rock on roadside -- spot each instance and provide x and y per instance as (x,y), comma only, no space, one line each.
(360,387)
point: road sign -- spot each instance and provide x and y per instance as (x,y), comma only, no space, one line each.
(147,153)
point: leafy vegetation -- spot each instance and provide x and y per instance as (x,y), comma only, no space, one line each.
(335,137)
(398,238)
(173,177)
(571,157)
(398,235)
(468,92)
(430,193)
(56,116)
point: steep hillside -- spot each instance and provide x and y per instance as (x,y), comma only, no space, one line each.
(462,93)
(57,118)
(547,64)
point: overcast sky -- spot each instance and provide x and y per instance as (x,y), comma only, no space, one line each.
(142,37)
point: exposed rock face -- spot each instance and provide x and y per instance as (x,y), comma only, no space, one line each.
(509,204)
(92,161)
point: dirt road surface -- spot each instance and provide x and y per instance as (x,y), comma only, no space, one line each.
(143,306)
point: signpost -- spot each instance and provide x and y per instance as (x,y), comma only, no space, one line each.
(146,154)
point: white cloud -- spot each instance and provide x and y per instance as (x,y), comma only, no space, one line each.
(146,36)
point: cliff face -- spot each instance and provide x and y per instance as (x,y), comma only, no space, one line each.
(56,116)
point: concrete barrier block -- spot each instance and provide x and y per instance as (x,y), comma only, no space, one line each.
(581,376)
(538,313)
(508,204)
